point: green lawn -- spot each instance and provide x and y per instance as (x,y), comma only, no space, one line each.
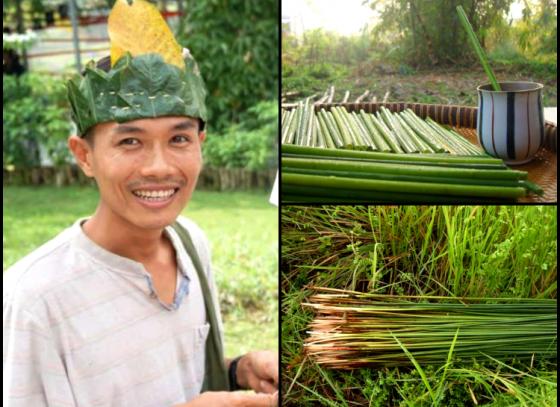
(242,228)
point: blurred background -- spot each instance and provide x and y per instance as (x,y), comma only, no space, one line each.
(236,46)
(414,50)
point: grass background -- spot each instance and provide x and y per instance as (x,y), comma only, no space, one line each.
(242,228)
(482,251)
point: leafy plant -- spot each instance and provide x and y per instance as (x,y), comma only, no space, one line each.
(34,115)
(236,45)
(428,32)
(250,144)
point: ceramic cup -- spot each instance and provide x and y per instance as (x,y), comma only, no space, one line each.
(510,122)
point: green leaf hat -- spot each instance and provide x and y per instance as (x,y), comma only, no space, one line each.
(145,80)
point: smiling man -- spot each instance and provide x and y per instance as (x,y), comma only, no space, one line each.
(121,308)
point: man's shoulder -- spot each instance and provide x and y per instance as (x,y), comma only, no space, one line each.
(39,269)
(197,234)
(198,237)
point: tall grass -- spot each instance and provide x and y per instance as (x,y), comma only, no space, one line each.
(460,251)
(469,251)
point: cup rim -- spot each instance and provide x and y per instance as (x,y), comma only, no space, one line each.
(537,86)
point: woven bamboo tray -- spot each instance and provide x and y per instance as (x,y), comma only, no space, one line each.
(542,170)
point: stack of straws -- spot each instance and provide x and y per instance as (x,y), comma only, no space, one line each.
(353,329)
(384,131)
(325,175)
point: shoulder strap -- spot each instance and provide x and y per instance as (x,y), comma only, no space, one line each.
(215,375)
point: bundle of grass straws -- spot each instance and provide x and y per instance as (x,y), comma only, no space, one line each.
(354,329)
(385,131)
(312,174)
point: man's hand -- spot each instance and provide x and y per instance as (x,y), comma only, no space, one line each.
(232,399)
(258,371)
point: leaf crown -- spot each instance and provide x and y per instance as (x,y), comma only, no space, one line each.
(139,87)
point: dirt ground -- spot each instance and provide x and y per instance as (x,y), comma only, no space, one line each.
(443,86)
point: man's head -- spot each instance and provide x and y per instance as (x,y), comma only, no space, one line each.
(146,169)
(140,116)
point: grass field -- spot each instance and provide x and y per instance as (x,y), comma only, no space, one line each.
(456,86)
(465,251)
(242,228)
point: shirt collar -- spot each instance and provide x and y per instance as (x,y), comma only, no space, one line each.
(124,264)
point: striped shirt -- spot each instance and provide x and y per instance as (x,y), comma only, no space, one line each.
(83,327)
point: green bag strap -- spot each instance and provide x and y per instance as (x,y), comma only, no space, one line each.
(215,375)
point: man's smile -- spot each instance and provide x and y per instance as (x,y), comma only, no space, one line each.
(161,194)
(155,198)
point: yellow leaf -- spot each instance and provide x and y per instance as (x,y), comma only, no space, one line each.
(139,28)
(116,53)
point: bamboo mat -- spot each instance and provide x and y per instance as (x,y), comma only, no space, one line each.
(541,170)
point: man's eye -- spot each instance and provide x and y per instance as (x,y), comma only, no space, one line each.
(180,139)
(128,142)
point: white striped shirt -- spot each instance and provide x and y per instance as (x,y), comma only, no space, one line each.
(83,327)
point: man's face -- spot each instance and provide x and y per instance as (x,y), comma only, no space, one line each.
(146,169)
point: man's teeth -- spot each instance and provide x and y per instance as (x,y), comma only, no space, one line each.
(154,195)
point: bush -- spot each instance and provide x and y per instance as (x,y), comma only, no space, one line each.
(312,77)
(236,45)
(34,114)
(251,144)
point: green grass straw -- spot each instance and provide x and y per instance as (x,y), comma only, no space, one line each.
(477,48)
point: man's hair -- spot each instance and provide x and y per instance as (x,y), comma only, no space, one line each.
(105,65)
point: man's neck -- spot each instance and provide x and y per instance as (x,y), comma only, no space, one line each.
(120,237)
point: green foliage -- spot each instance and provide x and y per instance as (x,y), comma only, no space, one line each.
(537,31)
(320,59)
(312,78)
(250,144)
(542,66)
(527,45)
(145,78)
(236,45)
(34,113)
(428,32)
(19,42)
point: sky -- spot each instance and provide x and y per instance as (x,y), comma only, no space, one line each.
(346,17)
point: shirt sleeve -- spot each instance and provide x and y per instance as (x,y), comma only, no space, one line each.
(33,370)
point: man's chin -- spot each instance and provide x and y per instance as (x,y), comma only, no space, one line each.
(154,222)
(159,218)
(157,224)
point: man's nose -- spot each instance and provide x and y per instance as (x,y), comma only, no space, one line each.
(156,163)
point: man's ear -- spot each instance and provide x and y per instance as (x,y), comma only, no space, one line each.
(82,152)
(201,136)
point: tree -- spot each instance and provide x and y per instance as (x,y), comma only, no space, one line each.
(428,31)
(236,45)
(538,27)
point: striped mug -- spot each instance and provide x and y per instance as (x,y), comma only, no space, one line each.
(510,122)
